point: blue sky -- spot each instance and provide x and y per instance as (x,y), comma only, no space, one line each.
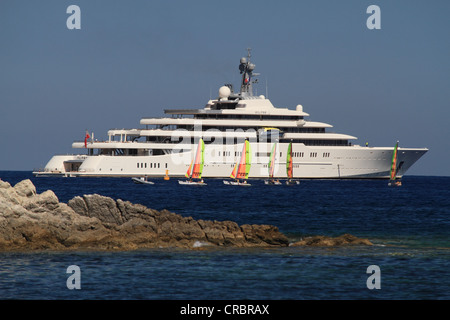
(132,59)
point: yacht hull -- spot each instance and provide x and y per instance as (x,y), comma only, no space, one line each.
(349,162)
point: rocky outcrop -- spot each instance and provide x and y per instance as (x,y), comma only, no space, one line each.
(30,221)
(324,241)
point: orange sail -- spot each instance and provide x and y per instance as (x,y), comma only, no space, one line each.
(242,168)
(233,173)
(188,173)
(199,160)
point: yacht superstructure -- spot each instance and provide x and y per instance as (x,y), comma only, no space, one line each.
(165,147)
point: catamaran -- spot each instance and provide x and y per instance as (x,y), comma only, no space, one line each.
(271,167)
(195,177)
(163,147)
(289,167)
(242,167)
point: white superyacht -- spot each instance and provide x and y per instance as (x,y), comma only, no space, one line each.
(165,147)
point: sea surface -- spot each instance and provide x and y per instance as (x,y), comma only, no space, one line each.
(410,227)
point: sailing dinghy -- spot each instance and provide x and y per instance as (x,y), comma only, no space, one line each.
(198,167)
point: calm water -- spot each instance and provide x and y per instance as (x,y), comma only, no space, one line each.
(409,226)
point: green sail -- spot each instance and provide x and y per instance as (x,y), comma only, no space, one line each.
(248,158)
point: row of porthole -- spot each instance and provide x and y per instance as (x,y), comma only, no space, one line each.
(142,165)
(294,154)
(152,165)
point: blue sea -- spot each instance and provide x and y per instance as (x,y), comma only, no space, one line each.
(409,226)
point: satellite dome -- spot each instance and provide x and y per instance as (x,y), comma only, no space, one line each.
(243,60)
(224,92)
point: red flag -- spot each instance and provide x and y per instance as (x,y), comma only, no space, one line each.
(85,139)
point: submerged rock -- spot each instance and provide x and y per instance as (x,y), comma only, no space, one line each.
(324,241)
(31,221)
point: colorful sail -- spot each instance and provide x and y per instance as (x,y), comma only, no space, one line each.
(242,168)
(188,172)
(233,173)
(394,162)
(199,160)
(289,167)
(272,160)
(248,159)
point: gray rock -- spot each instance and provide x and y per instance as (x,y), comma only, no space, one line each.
(25,188)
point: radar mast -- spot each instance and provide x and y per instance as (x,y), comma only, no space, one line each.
(246,69)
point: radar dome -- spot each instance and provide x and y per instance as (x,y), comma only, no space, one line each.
(224,92)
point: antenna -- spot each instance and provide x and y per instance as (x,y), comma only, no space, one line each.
(267,90)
